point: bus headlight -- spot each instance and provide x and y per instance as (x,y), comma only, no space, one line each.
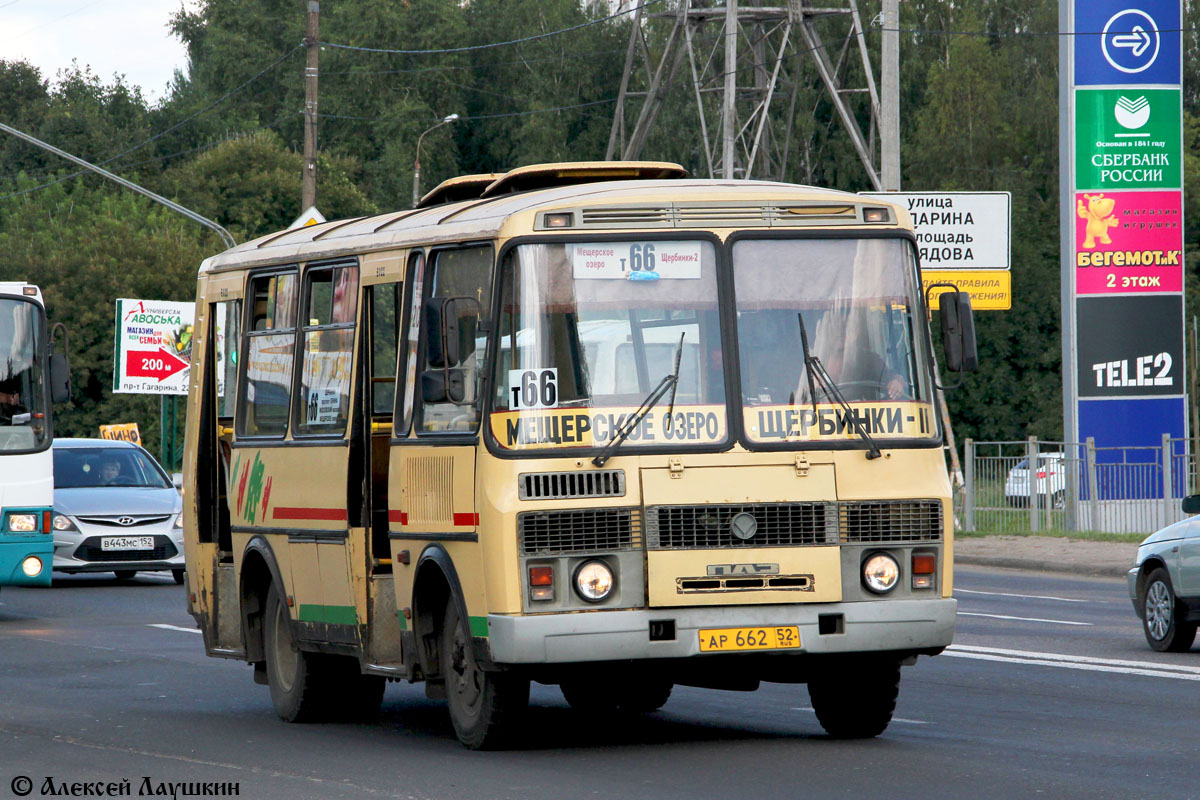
(880,573)
(31,566)
(594,581)
(23,523)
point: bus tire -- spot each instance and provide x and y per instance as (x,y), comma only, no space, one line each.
(645,696)
(485,707)
(587,695)
(856,701)
(297,679)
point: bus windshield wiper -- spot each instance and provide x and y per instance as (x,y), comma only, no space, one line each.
(633,420)
(817,374)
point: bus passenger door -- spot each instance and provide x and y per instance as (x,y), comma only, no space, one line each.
(211,577)
(432,481)
(370,439)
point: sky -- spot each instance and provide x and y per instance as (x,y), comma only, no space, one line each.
(128,37)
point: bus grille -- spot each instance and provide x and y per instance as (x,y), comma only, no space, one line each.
(778,525)
(579,531)
(891,521)
(562,485)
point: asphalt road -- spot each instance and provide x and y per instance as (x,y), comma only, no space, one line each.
(1049,690)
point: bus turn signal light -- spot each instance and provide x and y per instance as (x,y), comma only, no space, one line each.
(541,583)
(924,566)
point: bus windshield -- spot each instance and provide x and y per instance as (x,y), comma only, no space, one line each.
(588,330)
(857,301)
(22,388)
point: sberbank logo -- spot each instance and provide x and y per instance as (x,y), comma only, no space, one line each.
(1132,114)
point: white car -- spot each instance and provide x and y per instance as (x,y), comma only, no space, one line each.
(115,510)
(1050,482)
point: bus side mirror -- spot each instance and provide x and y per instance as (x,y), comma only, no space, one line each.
(60,378)
(449,323)
(450,329)
(1191,504)
(958,331)
(444,385)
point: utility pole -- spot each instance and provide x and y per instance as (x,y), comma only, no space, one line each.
(308,183)
(889,133)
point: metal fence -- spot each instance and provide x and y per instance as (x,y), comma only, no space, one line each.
(1038,485)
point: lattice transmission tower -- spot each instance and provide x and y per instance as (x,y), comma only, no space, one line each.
(743,62)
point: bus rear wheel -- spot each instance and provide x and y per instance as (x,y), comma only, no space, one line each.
(297,681)
(485,707)
(856,701)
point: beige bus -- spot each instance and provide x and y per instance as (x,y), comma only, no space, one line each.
(596,425)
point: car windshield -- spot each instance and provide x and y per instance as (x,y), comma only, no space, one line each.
(589,330)
(95,467)
(856,301)
(22,391)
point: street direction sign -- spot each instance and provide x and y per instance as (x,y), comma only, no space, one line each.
(958,230)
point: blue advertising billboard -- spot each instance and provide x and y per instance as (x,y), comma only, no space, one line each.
(1119,42)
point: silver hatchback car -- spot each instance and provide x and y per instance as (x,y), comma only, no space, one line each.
(115,510)
(1164,583)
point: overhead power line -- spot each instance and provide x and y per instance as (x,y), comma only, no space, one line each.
(468,48)
(161,134)
(479,116)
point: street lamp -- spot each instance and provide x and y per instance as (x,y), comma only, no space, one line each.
(417,161)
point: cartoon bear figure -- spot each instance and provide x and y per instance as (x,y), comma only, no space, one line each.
(1098,214)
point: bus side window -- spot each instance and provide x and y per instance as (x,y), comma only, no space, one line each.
(414,283)
(270,339)
(227,316)
(331,300)
(467,274)
(385,324)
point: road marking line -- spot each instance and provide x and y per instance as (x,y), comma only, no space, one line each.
(1024,619)
(894,719)
(167,627)
(1153,673)
(1029,596)
(1110,662)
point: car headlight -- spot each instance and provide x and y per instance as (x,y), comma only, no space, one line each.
(22,523)
(594,581)
(178,524)
(880,573)
(63,523)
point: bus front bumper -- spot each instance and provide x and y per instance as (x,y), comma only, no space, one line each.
(16,551)
(885,625)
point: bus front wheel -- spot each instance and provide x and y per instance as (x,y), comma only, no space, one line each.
(856,701)
(485,707)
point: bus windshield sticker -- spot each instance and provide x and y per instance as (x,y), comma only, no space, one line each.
(903,420)
(593,427)
(533,388)
(636,261)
